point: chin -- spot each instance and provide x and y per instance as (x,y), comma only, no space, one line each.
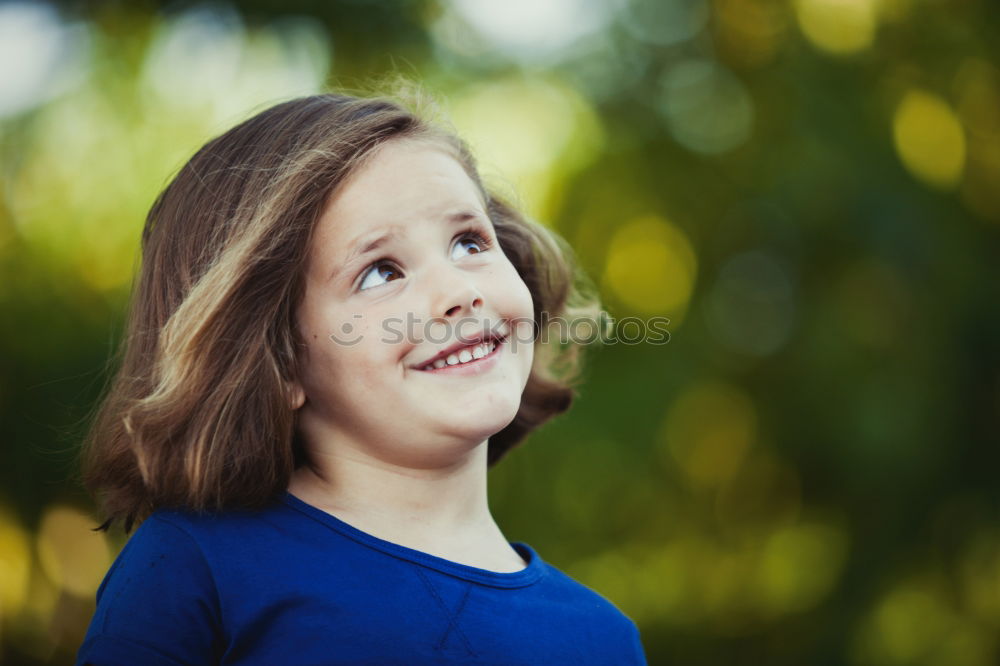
(489,420)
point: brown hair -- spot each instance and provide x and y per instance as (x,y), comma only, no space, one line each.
(198,413)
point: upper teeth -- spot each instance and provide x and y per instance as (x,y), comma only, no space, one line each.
(464,355)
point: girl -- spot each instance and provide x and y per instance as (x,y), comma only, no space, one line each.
(333,335)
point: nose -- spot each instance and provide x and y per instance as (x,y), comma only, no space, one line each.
(475,303)
(461,300)
(455,294)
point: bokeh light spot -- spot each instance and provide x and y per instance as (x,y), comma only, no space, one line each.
(929,139)
(15,564)
(529,130)
(800,565)
(71,555)
(204,62)
(707,108)
(840,27)
(664,22)
(708,430)
(910,621)
(671,587)
(651,268)
(40,56)
(979,571)
(977,83)
(917,622)
(523,30)
(751,31)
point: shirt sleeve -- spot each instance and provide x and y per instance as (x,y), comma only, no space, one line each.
(158,604)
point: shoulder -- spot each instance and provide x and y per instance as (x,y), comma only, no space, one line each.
(176,556)
(159,580)
(160,554)
(570,589)
(593,607)
(209,530)
(606,631)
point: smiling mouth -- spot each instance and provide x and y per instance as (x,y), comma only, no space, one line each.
(470,355)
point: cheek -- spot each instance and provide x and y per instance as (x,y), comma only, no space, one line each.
(335,347)
(519,306)
(516,295)
(348,378)
(527,303)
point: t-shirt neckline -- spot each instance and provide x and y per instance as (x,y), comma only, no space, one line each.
(530,574)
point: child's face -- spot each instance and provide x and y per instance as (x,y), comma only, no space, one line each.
(400,305)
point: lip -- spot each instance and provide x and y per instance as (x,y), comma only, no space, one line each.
(479,338)
(474,367)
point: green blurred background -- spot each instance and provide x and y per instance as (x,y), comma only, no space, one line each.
(808,189)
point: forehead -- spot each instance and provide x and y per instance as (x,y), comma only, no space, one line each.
(402,181)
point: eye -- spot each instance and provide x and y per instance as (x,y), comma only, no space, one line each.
(474,240)
(381,269)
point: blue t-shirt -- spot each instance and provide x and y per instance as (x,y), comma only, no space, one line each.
(292,584)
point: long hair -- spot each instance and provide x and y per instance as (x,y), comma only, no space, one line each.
(197,414)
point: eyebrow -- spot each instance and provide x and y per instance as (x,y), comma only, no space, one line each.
(364,245)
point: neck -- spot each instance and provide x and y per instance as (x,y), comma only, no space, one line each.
(444,508)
